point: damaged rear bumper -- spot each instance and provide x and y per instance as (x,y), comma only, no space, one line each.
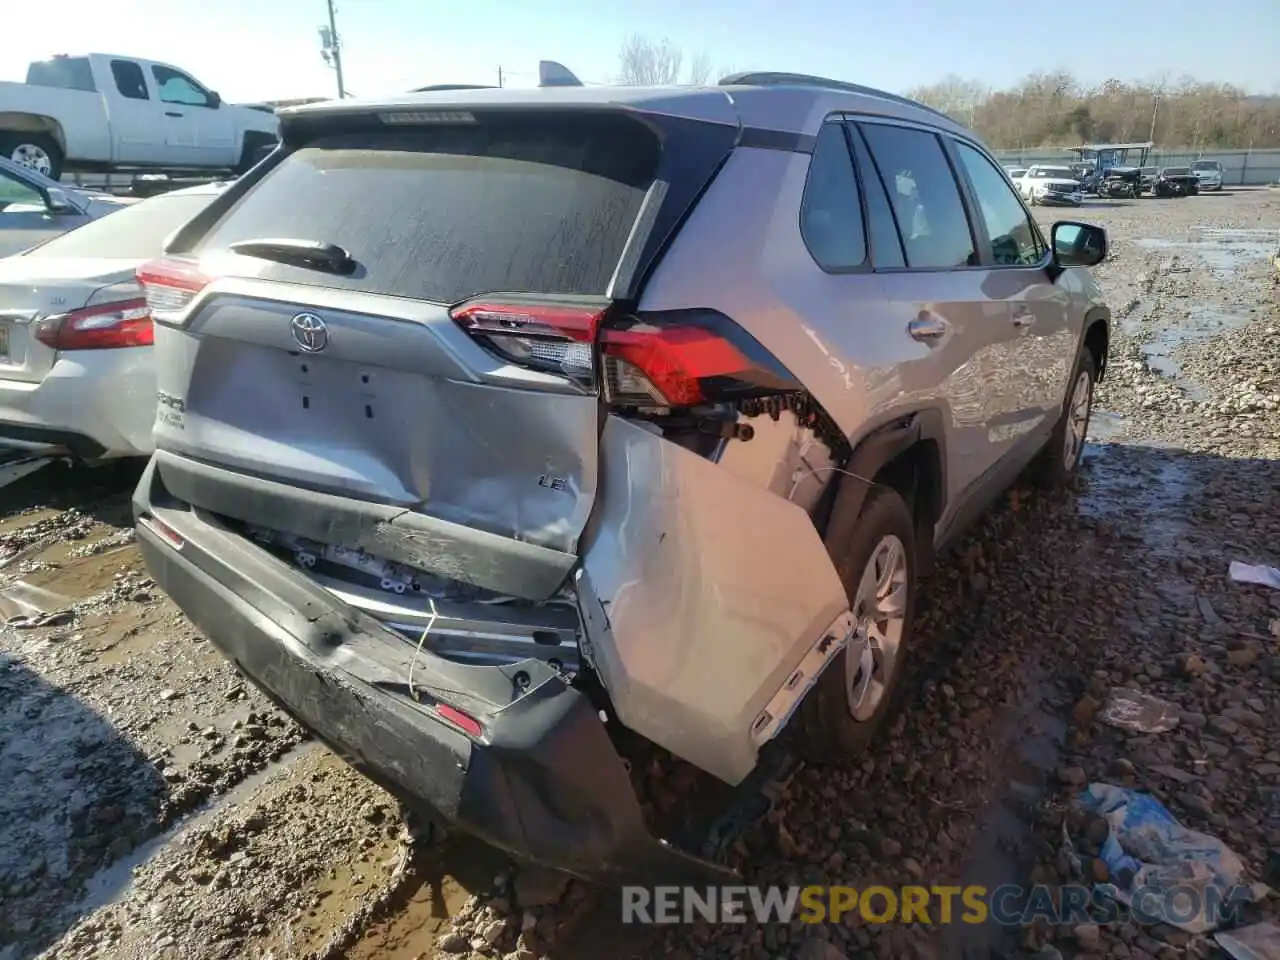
(542,781)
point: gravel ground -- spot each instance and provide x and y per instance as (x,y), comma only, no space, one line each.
(153,805)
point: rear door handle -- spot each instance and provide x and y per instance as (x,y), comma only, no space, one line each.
(927,327)
(173,113)
(1024,320)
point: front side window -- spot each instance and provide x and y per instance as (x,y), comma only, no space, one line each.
(925,198)
(831,212)
(175,87)
(1014,240)
(130,80)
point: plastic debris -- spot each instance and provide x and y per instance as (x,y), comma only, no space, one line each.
(1148,849)
(1139,712)
(1261,941)
(1254,573)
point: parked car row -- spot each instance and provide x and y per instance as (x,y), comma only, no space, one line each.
(1068,184)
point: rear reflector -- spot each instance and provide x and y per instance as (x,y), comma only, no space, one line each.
(549,337)
(170,285)
(106,326)
(459,719)
(163,530)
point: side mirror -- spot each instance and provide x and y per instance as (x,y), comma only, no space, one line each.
(59,202)
(1078,244)
(215,101)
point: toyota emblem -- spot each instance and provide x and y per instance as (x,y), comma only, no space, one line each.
(309,332)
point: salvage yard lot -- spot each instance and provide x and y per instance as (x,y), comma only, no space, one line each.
(152,804)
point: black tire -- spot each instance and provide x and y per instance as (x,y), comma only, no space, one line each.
(1056,467)
(828,732)
(12,143)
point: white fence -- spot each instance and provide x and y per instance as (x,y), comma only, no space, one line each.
(1239,167)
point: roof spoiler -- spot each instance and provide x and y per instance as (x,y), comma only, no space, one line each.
(552,74)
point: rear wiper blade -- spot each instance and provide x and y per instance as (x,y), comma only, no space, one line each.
(309,254)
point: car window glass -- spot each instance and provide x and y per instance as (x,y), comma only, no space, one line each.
(129,80)
(15,194)
(924,195)
(831,212)
(886,245)
(173,87)
(1012,236)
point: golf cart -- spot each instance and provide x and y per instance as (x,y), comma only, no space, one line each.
(1114,168)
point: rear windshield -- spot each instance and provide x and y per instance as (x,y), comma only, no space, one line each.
(531,204)
(135,232)
(1176,171)
(1205,165)
(69,73)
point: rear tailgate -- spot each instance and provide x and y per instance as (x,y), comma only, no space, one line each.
(354,408)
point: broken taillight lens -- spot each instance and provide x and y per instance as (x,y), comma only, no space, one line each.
(551,337)
(684,358)
(170,284)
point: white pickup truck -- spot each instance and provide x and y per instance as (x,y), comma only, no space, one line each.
(105,113)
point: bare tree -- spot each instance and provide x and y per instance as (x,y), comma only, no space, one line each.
(700,69)
(643,63)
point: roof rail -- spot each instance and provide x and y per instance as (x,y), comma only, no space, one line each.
(452,86)
(772,79)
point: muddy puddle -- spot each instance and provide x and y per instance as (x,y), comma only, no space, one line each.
(1224,251)
(113,882)
(1203,322)
(1147,481)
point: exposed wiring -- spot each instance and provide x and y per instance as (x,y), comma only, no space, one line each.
(431,622)
(804,476)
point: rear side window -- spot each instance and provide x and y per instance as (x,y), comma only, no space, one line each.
(69,73)
(137,232)
(831,212)
(924,195)
(129,80)
(529,204)
(886,245)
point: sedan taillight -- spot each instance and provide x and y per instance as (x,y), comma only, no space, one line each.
(107,326)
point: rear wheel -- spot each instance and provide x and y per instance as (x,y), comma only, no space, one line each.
(1061,457)
(875,557)
(34,150)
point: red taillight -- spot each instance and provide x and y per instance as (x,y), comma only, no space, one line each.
(459,719)
(553,337)
(652,361)
(665,366)
(107,326)
(170,285)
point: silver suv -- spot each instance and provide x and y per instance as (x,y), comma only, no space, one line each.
(495,424)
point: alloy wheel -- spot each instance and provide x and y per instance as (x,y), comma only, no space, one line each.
(880,613)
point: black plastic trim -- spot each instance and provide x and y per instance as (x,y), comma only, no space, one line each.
(77,444)
(543,783)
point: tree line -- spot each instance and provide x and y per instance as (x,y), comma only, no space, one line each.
(1056,110)
(1045,109)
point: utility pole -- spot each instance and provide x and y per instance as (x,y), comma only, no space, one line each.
(499,74)
(1155,111)
(331,49)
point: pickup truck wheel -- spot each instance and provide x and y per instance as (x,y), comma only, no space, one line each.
(875,557)
(1058,462)
(33,150)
